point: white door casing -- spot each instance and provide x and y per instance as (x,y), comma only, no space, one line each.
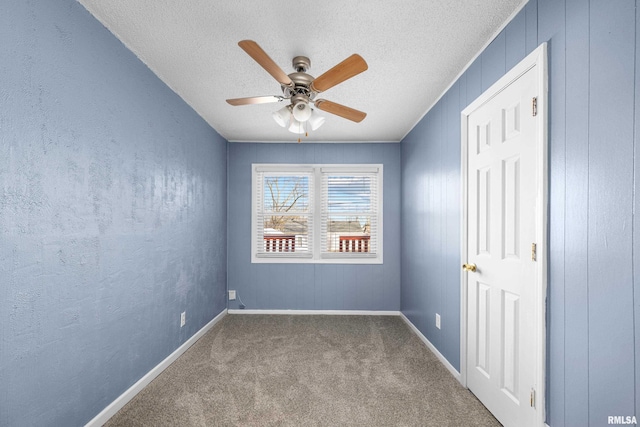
(504,180)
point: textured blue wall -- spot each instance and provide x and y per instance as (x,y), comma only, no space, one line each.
(112,216)
(594,285)
(312,286)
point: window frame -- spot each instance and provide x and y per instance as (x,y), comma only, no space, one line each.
(316,214)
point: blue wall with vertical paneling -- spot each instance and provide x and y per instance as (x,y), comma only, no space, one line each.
(112,216)
(312,286)
(594,237)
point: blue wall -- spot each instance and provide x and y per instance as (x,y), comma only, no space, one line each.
(594,236)
(431,191)
(312,286)
(112,216)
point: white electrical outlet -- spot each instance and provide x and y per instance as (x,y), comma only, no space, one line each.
(183,318)
(232,295)
(437,321)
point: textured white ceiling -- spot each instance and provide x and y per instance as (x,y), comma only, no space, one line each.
(414,49)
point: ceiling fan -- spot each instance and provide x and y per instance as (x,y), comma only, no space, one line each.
(300,89)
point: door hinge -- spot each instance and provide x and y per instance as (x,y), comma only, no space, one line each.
(534,106)
(532,399)
(534,252)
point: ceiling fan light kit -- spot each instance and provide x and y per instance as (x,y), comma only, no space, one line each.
(300,89)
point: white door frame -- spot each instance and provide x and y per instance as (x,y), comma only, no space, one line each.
(538,59)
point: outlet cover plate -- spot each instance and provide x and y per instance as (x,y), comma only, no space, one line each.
(183,318)
(437,321)
(232,295)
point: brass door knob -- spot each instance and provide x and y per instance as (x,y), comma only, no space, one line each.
(469,267)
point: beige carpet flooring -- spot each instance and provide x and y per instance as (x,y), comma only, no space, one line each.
(275,370)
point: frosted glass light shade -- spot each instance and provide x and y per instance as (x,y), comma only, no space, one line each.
(302,111)
(296,126)
(282,116)
(315,120)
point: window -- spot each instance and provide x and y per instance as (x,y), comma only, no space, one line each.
(317,213)
(283,220)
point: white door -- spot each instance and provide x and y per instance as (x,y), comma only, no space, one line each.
(502,192)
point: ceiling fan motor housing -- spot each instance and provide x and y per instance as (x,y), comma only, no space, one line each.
(301,81)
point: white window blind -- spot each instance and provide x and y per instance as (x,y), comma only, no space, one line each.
(349,220)
(284,220)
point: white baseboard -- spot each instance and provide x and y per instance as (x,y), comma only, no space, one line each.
(431,347)
(319,312)
(125,397)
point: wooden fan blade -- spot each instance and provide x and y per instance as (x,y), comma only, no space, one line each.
(348,68)
(254,100)
(261,57)
(340,110)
